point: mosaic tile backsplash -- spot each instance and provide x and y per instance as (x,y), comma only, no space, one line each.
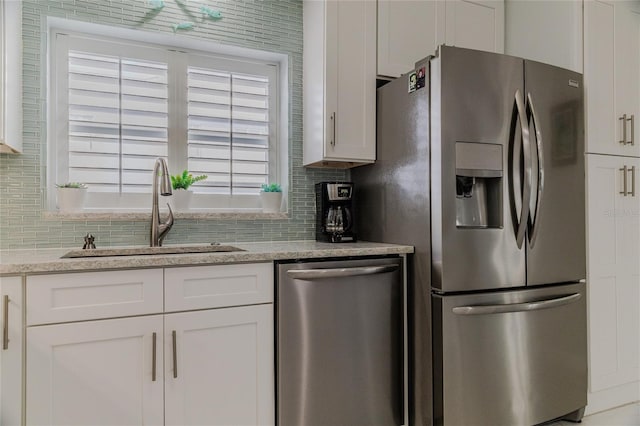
(272,25)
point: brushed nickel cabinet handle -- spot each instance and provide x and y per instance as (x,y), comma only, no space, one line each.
(154,338)
(632,141)
(623,141)
(624,181)
(5,324)
(333,126)
(175,357)
(633,181)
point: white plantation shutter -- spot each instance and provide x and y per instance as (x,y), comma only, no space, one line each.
(229,127)
(118,121)
(121,106)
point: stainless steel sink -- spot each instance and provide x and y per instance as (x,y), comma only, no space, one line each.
(141,251)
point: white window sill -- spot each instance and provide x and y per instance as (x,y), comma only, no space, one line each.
(245,214)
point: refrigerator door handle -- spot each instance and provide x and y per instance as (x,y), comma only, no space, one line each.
(516,307)
(313,274)
(526,152)
(535,219)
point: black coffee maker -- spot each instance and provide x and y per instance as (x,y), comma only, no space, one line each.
(334,212)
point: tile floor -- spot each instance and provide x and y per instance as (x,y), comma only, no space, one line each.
(627,415)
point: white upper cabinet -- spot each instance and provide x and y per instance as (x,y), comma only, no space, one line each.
(339,83)
(545,31)
(477,24)
(612,76)
(410,30)
(407,32)
(10,76)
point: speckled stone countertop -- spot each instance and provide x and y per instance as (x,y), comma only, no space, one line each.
(14,262)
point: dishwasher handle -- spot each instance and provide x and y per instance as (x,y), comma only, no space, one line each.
(314,274)
(516,307)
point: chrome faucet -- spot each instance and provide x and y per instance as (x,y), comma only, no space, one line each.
(159,229)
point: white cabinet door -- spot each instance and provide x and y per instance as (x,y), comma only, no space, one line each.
(81,296)
(613,271)
(339,83)
(408,30)
(545,31)
(96,373)
(411,30)
(612,76)
(219,286)
(11,351)
(219,367)
(10,76)
(477,24)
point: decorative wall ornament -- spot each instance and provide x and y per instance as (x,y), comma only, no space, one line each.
(157,5)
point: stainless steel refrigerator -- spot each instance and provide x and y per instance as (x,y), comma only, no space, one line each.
(480,165)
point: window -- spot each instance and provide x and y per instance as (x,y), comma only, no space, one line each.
(116,106)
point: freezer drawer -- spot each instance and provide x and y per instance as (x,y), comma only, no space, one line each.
(340,343)
(522,353)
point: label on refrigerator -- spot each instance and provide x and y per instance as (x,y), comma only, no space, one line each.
(417,80)
(421,78)
(413,82)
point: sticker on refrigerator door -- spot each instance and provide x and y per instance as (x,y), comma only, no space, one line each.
(421,78)
(413,81)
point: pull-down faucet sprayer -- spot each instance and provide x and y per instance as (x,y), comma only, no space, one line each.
(158,229)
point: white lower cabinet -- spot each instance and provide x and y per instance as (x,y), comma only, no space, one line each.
(11,351)
(95,373)
(211,366)
(613,280)
(219,367)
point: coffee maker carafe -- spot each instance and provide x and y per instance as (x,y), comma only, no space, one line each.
(334,212)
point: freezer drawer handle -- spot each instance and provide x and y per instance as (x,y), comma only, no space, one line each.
(516,307)
(314,274)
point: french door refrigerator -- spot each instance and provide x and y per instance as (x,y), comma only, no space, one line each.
(481,167)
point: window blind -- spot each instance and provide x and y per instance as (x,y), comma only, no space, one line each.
(118,120)
(228,130)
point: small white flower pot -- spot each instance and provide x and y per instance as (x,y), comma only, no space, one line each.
(71,199)
(271,201)
(180,199)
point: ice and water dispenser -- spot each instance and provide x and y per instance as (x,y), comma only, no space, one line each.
(479,174)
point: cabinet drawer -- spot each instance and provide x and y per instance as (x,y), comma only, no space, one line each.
(93,295)
(202,287)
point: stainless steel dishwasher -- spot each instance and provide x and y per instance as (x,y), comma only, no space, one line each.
(340,343)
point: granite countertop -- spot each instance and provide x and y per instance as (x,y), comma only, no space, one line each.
(13,262)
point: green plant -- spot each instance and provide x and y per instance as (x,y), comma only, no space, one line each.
(76,185)
(185,180)
(271,187)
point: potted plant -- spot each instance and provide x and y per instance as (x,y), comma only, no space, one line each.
(271,197)
(181,183)
(71,196)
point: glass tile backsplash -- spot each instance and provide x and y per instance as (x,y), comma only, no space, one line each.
(273,25)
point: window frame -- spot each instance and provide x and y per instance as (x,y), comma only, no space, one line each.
(178,50)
